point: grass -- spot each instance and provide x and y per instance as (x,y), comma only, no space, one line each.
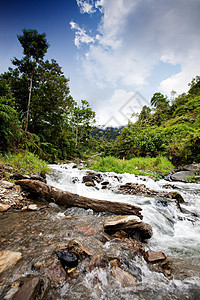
(156,167)
(25,163)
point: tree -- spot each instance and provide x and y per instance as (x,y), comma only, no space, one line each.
(159,101)
(9,123)
(35,46)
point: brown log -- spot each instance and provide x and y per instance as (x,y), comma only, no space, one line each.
(52,194)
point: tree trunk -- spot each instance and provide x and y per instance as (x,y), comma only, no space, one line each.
(52,194)
(29,102)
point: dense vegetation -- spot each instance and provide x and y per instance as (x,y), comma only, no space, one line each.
(156,167)
(168,129)
(38,114)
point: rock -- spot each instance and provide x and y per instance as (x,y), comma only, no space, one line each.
(4,207)
(55,272)
(38,177)
(130,223)
(32,207)
(99,260)
(88,178)
(123,277)
(67,259)
(182,175)
(7,184)
(192,167)
(115,263)
(177,196)
(8,259)
(105,183)
(154,256)
(28,290)
(18,176)
(89,183)
(85,229)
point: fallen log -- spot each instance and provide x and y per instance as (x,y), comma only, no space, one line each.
(67,199)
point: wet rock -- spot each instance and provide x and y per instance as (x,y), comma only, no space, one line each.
(192,167)
(67,259)
(115,263)
(4,207)
(8,259)
(177,196)
(7,184)
(32,207)
(75,179)
(88,178)
(154,256)
(38,177)
(86,229)
(44,288)
(104,187)
(132,224)
(105,183)
(89,183)
(99,260)
(123,277)
(55,272)
(182,175)
(28,290)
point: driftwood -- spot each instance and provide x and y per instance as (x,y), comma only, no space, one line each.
(52,194)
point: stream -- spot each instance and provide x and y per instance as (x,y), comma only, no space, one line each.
(37,235)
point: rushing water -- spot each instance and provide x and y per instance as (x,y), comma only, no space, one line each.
(174,233)
(37,235)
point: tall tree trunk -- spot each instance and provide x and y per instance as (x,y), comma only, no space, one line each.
(29,101)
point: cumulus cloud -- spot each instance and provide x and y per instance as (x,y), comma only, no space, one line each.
(133,36)
(80,35)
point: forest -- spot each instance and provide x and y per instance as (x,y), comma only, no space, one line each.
(38,114)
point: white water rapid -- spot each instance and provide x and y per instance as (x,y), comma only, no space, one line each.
(175,233)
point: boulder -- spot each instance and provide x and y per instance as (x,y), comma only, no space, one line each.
(28,290)
(182,175)
(154,256)
(8,259)
(130,223)
(123,277)
(192,167)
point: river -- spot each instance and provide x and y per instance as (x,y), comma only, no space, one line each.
(37,235)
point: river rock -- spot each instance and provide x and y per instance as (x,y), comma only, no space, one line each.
(123,277)
(182,175)
(67,259)
(154,256)
(28,290)
(89,183)
(128,223)
(8,259)
(7,184)
(99,260)
(4,207)
(19,176)
(192,167)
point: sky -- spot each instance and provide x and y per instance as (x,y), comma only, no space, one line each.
(116,53)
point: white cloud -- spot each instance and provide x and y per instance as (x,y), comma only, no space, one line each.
(134,36)
(86,6)
(80,35)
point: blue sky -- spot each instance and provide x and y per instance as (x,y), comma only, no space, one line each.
(112,50)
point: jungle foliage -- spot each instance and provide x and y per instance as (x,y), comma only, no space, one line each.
(37,112)
(168,128)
